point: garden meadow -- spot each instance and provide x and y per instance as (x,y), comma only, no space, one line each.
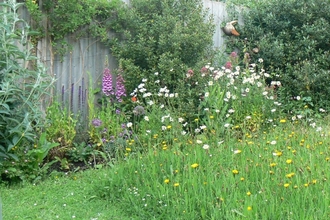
(218,140)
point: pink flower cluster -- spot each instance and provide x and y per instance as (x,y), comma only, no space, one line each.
(107,85)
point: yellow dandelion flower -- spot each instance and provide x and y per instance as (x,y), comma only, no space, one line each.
(286,185)
(169,127)
(306,184)
(248,193)
(211,116)
(288,161)
(273,164)
(195,165)
(271,172)
(242,179)
(314,181)
(289,175)
(176,184)
(295,187)
(166,181)
(327,159)
(235,171)
(128,149)
(282,121)
(249,208)
(196,119)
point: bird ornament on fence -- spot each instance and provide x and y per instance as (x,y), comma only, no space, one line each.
(229,29)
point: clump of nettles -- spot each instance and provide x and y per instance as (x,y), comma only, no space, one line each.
(116,93)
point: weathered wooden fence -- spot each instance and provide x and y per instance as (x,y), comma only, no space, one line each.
(88,56)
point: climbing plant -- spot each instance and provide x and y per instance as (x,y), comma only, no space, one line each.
(59,18)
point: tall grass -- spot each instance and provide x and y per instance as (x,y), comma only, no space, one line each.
(241,158)
(279,174)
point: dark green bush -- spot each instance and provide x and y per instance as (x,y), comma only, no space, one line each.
(162,36)
(293,39)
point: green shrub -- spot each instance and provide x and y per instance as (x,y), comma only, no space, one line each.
(166,37)
(23,84)
(23,92)
(293,39)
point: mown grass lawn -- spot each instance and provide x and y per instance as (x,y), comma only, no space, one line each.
(60,197)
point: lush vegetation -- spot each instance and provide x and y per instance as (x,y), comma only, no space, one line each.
(292,37)
(24,87)
(279,174)
(178,134)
